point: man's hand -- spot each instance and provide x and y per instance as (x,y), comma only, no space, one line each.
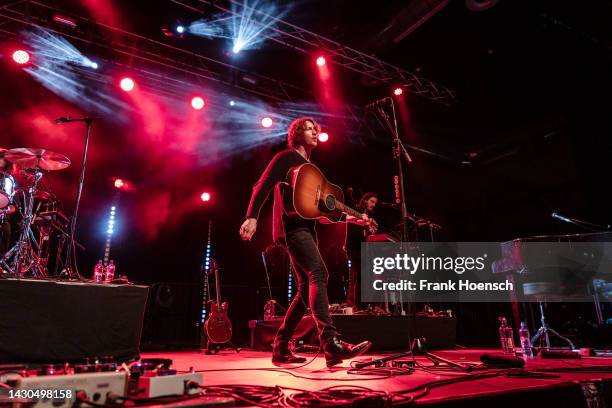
(364,221)
(248,228)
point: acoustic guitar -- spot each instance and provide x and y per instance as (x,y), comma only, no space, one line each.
(314,197)
(218,326)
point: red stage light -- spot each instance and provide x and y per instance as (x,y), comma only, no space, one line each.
(119,183)
(320,61)
(127,84)
(205,197)
(197,103)
(21,57)
(323,137)
(398,91)
(266,122)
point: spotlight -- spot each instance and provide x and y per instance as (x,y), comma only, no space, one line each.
(237,46)
(323,137)
(127,84)
(320,61)
(197,103)
(266,122)
(94,65)
(232,103)
(180,29)
(398,91)
(21,57)
(205,197)
(119,184)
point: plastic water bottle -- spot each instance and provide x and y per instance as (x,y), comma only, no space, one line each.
(525,340)
(98,275)
(506,336)
(110,271)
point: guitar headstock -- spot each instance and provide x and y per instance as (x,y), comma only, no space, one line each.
(213,266)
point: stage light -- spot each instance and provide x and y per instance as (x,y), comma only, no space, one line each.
(266,122)
(205,197)
(237,46)
(119,183)
(180,29)
(320,61)
(127,84)
(94,65)
(323,137)
(232,103)
(398,91)
(197,103)
(21,57)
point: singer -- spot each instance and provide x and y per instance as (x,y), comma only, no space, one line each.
(299,237)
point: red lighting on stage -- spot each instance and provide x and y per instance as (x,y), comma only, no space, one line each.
(320,61)
(266,122)
(398,91)
(205,197)
(119,183)
(323,137)
(127,84)
(21,57)
(197,103)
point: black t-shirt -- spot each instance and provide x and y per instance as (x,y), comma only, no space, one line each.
(275,176)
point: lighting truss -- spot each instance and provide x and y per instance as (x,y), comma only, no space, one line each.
(131,48)
(306,41)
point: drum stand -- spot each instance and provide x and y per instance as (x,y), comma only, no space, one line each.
(544,332)
(24,251)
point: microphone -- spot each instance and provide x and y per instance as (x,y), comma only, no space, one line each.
(499,360)
(560,217)
(378,103)
(349,190)
(63,119)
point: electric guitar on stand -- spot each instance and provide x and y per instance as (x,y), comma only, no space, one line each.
(218,326)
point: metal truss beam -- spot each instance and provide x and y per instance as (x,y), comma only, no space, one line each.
(130,47)
(306,41)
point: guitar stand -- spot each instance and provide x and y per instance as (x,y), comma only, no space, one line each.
(214,348)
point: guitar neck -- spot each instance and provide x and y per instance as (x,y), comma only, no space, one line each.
(217,285)
(348,210)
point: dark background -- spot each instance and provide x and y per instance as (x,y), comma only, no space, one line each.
(529,135)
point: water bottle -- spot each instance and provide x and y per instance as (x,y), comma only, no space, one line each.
(98,274)
(110,271)
(506,336)
(525,341)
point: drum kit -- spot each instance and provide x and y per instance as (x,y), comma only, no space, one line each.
(36,211)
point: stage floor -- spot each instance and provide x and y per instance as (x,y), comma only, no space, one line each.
(255,368)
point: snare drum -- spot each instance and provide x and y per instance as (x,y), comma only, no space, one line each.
(7,189)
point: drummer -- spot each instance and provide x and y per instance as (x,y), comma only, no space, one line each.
(7,187)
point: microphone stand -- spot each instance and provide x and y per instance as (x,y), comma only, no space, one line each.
(398,150)
(70,256)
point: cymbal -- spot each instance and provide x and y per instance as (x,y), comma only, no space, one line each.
(31,158)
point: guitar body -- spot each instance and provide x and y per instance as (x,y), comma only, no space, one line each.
(218,326)
(313,196)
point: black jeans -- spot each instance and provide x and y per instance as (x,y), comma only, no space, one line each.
(311,274)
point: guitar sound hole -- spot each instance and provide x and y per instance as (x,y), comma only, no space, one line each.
(330,203)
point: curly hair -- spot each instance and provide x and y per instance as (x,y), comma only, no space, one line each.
(362,203)
(296,130)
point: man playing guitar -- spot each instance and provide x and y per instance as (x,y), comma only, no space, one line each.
(298,235)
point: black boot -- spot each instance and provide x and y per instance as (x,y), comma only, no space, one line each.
(282,355)
(337,350)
